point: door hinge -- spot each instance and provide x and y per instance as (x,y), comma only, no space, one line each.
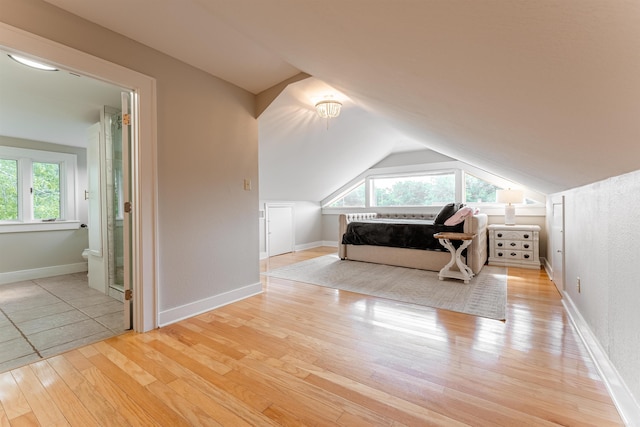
(127,207)
(128,295)
(126,119)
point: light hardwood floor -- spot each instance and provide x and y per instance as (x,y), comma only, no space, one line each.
(300,354)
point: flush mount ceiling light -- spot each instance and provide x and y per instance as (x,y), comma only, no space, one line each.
(328,109)
(31,63)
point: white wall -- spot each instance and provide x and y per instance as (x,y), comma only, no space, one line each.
(602,231)
(207,139)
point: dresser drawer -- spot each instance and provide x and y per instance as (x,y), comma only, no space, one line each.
(509,244)
(514,254)
(514,235)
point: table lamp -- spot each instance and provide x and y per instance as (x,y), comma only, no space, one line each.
(508,197)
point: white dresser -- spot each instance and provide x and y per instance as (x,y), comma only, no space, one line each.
(514,245)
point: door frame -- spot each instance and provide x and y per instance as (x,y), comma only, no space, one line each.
(144,267)
(557,200)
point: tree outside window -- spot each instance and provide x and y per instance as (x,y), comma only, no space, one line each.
(46,190)
(478,190)
(8,190)
(420,190)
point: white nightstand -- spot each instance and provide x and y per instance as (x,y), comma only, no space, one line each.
(514,245)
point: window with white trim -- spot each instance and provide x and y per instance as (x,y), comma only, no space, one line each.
(36,186)
(432,189)
(429,185)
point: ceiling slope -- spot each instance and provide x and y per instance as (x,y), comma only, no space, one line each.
(543,93)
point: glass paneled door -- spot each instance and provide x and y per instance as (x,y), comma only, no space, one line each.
(122,190)
(118,135)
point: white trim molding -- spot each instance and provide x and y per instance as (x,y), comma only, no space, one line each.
(622,397)
(38,273)
(185,311)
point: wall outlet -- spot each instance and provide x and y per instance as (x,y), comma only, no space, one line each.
(247,184)
(578,284)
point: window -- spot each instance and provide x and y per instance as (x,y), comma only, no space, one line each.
(351,199)
(477,190)
(431,185)
(414,190)
(36,185)
(8,190)
(46,190)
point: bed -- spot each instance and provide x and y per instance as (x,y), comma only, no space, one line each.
(417,249)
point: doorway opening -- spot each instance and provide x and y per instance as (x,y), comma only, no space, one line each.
(142,246)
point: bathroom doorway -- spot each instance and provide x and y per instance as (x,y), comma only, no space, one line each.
(48,303)
(143,217)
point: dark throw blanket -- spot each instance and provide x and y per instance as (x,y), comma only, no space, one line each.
(398,233)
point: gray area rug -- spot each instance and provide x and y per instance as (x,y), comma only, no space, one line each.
(485,295)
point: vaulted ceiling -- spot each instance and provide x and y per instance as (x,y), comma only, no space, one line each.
(546,93)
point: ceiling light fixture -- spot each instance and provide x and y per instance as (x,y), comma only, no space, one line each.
(328,109)
(31,63)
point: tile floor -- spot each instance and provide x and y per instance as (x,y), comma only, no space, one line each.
(43,317)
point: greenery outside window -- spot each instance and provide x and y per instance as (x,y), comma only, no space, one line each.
(477,190)
(414,190)
(36,186)
(46,190)
(354,198)
(8,190)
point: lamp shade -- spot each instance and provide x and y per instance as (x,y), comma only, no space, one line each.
(509,196)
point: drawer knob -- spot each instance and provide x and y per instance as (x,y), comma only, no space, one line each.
(513,244)
(526,246)
(499,253)
(500,244)
(526,255)
(513,254)
(499,234)
(526,236)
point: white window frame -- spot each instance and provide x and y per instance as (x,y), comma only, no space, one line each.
(458,167)
(434,172)
(68,194)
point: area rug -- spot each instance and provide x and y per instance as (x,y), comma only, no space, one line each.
(485,295)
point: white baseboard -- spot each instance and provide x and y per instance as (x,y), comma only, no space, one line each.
(176,314)
(264,255)
(38,273)
(622,397)
(305,246)
(317,244)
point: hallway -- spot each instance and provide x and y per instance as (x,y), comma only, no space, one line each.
(44,317)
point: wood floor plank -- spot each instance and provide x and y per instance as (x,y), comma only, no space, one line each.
(70,405)
(91,397)
(12,398)
(153,406)
(300,354)
(41,404)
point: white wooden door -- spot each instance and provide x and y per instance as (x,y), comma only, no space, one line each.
(557,243)
(96,260)
(279,229)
